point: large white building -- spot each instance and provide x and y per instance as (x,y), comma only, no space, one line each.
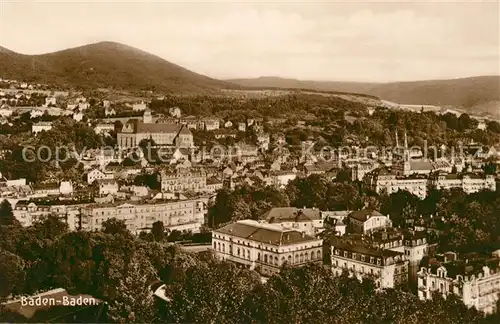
(176,215)
(386,181)
(388,269)
(265,247)
(41,126)
(475,283)
(469,183)
(162,134)
(182,181)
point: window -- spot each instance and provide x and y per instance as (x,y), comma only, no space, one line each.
(378,261)
(238,252)
(318,255)
(363,258)
(215,245)
(345,254)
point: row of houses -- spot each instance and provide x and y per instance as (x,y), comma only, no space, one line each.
(176,214)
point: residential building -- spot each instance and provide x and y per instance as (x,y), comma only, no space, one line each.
(307,220)
(28,213)
(102,128)
(415,248)
(468,182)
(358,170)
(107,186)
(475,282)
(265,247)
(383,180)
(367,221)
(182,181)
(388,269)
(96,174)
(211,124)
(214,184)
(41,126)
(139,106)
(182,215)
(162,134)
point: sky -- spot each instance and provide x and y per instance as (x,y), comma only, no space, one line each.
(308,40)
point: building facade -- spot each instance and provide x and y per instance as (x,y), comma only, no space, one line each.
(162,134)
(388,269)
(265,247)
(479,288)
(179,215)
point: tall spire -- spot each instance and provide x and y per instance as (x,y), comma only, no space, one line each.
(406,142)
(397,140)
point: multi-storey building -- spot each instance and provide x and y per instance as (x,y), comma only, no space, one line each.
(367,221)
(41,126)
(383,180)
(415,248)
(388,269)
(307,220)
(162,134)
(475,282)
(182,181)
(265,247)
(175,215)
(469,183)
(29,213)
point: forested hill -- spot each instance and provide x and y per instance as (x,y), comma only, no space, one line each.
(103,65)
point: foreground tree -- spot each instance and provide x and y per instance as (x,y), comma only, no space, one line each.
(6,213)
(134,301)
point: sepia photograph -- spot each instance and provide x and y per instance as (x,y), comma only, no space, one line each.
(227,162)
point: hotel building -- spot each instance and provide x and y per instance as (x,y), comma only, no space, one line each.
(475,282)
(265,247)
(176,215)
(388,269)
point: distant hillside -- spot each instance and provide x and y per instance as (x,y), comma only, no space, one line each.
(104,65)
(472,94)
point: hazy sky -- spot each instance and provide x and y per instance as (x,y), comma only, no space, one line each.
(324,40)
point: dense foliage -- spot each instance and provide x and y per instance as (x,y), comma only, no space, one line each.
(117,267)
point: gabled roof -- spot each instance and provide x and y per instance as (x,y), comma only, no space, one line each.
(291,214)
(364,215)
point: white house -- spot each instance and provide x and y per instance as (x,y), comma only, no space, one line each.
(307,220)
(366,221)
(66,188)
(41,126)
(36,113)
(107,186)
(78,116)
(228,124)
(175,112)
(141,106)
(96,174)
(6,111)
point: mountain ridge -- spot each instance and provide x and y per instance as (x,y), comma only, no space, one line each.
(468,93)
(104,65)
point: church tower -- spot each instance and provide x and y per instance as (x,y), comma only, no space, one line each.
(406,158)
